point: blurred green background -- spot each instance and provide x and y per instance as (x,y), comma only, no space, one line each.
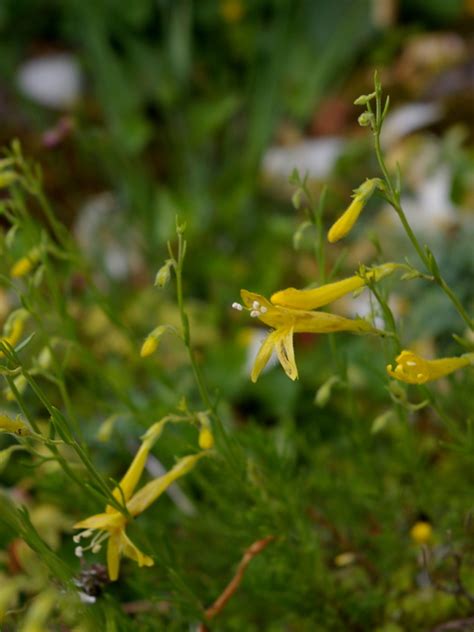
(143,110)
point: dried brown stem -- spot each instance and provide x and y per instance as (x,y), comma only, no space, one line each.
(461,625)
(218,605)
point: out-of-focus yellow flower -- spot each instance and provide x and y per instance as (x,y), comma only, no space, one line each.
(232,10)
(13,426)
(39,611)
(14,327)
(7,178)
(413,369)
(111,524)
(317,297)
(24,265)
(345,559)
(285,322)
(9,590)
(421,532)
(347,220)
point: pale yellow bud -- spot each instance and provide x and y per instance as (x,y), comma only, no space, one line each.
(151,341)
(206,439)
(149,347)
(24,265)
(164,273)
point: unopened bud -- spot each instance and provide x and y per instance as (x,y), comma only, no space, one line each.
(24,265)
(206,439)
(381,421)
(164,273)
(151,341)
(366,119)
(364,99)
(323,393)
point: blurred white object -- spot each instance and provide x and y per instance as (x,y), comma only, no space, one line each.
(51,80)
(314,157)
(105,236)
(431,208)
(256,341)
(407,119)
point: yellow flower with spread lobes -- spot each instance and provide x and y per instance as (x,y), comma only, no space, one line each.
(286,321)
(290,311)
(413,369)
(111,524)
(347,220)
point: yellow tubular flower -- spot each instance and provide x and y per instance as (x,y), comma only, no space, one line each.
(347,220)
(24,265)
(286,321)
(317,297)
(413,369)
(111,524)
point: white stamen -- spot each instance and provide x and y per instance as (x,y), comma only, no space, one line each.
(96,548)
(254,313)
(255,304)
(78,551)
(237,306)
(263,310)
(76,538)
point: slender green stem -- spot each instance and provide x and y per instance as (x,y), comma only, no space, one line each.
(198,376)
(393,198)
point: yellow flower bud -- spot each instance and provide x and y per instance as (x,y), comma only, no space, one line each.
(149,347)
(206,439)
(24,265)
(421,532)
(151,341)
(164,273)
(347,220)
